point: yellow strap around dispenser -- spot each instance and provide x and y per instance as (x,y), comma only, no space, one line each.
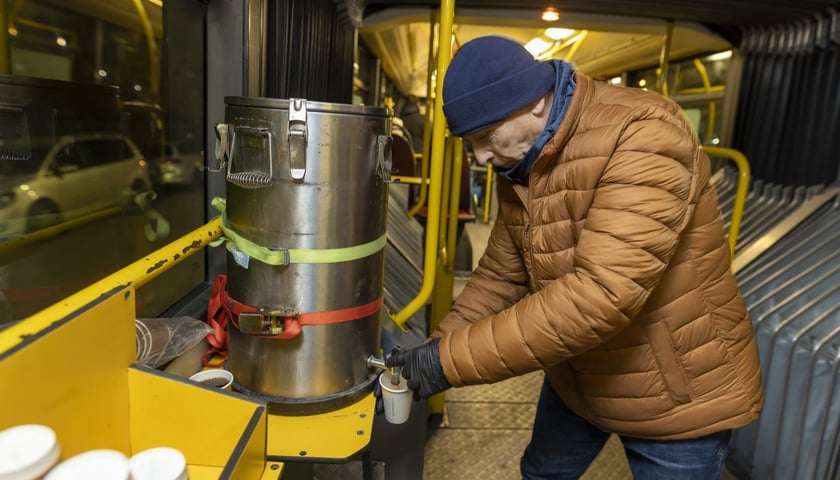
(238,245)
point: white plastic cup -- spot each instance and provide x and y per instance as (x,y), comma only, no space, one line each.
(92,465)
(216,377)
(27,452)
(161,463)
(395,398)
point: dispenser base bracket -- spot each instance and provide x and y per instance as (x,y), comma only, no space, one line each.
(325,437)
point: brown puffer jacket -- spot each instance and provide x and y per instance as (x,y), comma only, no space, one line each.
(633,312)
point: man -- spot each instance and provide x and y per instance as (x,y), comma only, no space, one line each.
(607,268)
(413,121)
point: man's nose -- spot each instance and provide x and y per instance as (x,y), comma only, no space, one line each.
(482,156)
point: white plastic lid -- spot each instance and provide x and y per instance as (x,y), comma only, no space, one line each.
(162,463)
(92,465)
(27,452)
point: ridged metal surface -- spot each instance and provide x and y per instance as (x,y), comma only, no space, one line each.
(404,233)
(793,294)
(403,258)
(766,205)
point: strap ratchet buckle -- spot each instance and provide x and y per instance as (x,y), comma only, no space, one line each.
(265,321)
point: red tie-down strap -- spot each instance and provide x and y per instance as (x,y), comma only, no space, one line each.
(292,325)
(222,310)
(218,316)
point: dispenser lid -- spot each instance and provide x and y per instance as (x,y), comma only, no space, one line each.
(311,106)
(27,451)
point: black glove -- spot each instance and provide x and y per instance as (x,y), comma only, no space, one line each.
(378,407)
(421,367)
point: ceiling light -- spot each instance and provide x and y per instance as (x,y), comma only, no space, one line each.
(558,33)
(550,14)
(719,56)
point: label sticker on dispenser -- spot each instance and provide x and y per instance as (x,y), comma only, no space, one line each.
(241,259)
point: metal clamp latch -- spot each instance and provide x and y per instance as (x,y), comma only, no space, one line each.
(297,138)
(223,134)
(264,321)
(384,157)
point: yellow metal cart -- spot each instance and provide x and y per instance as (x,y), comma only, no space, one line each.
(72,367)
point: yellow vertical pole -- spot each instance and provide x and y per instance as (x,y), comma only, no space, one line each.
(442,298)
(707,87)
(427,120)
(447,8)
(5,46)
(151,46)
(665,52)
(445,275)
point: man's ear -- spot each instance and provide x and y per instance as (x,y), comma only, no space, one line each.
(540,106)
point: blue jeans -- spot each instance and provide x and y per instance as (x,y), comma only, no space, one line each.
(563,445)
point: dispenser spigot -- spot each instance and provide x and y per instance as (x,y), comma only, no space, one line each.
(393,372)
(376,362)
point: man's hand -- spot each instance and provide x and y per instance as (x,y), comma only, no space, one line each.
(421,367)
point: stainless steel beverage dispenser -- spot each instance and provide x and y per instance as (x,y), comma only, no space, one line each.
(305,223)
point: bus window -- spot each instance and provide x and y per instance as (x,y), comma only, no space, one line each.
(125,78)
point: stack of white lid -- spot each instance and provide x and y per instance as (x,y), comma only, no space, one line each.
(31,452)
(161,463)
(27,452)
(101,464)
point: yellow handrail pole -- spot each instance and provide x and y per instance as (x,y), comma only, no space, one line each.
(447,9)
(487,190)
(446,185)
(445,275)
(151,46)
(704,75)
(136,274)
(576,45)
(665,52)
(710,89)
(427,121)
(411,180)
(5,44)
(12,246)
(454,205)
(740,193)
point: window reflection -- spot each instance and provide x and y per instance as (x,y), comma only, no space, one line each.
(101,146)
(701,77)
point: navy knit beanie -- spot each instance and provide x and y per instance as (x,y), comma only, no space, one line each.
(489,79)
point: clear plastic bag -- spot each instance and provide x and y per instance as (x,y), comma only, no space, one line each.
(159,340)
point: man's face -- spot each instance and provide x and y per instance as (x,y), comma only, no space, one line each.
(506,143)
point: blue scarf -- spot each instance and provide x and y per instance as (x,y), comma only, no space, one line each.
(564,87)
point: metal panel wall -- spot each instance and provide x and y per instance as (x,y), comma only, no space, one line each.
(793,294)
(311,47)
(789,107)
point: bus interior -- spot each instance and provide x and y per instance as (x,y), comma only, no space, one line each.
(159,86)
